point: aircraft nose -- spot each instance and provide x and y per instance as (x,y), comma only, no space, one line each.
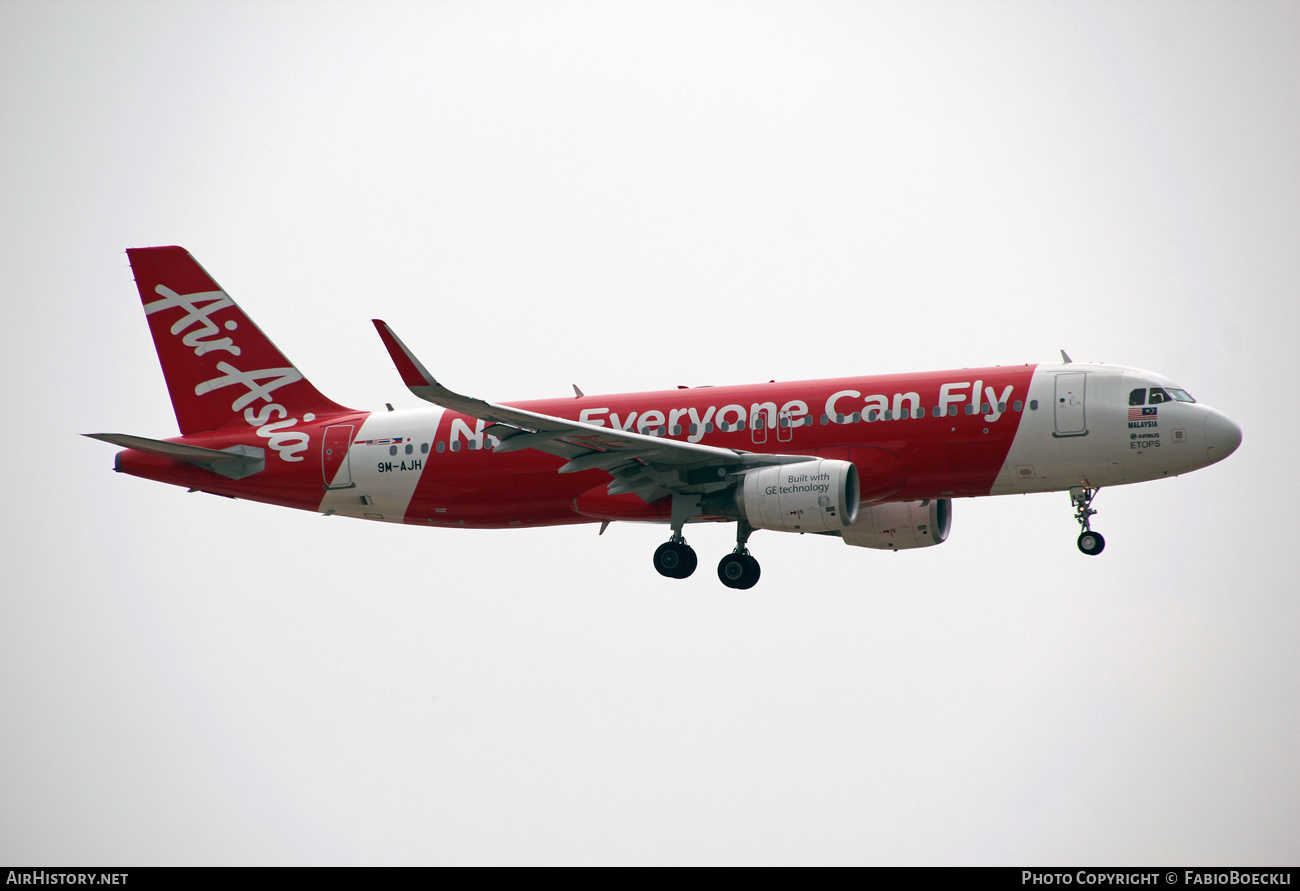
(1222,436)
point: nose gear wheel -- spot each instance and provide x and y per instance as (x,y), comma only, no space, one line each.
(1091,543)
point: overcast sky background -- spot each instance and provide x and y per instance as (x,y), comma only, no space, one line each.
(632,196)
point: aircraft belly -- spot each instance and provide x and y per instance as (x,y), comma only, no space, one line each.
(486,495)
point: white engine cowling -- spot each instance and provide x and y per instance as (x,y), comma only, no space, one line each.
(901,524)
(812,496)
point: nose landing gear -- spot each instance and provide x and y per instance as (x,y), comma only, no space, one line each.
(1091,543)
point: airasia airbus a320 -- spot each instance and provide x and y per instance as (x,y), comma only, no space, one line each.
(874,460)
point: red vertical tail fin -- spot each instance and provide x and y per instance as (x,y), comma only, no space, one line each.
(220,368)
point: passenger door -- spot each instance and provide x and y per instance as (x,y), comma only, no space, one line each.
(1070,417)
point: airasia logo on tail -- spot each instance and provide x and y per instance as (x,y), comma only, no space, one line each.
(270,419)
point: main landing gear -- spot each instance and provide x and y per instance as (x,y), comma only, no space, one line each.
(676,559)
(1091,543)
(739,569)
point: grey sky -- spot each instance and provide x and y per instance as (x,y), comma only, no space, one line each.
(634,196)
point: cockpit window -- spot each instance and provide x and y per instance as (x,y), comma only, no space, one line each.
(1158,395)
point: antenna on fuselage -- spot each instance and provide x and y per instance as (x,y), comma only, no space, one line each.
(1065,357)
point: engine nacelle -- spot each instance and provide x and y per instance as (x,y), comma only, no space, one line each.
(898,525)
(812,496)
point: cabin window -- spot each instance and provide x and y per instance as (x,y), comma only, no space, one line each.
(952,411)
(677,429)
(1002,406)
(903,414)
(984,408)
(825,420)
(839,417)
(1017,405)
(857,416)
(969,409)
(1138,396)
(442,446)
(785,422)
(1033,405)
(695,428)
(889,415)
(410,448)
(424,448)
(392,450)
(708,426)
(455,445)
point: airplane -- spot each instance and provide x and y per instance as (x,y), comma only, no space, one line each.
(874,460)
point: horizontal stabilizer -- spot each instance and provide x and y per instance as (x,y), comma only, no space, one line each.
(234,463)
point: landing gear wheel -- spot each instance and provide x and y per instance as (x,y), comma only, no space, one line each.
(1091,543)
(691,562)
(675,559)
(739,571)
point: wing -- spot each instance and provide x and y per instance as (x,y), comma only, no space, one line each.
(648,466)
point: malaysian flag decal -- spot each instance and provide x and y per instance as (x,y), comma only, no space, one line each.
(1142,414)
